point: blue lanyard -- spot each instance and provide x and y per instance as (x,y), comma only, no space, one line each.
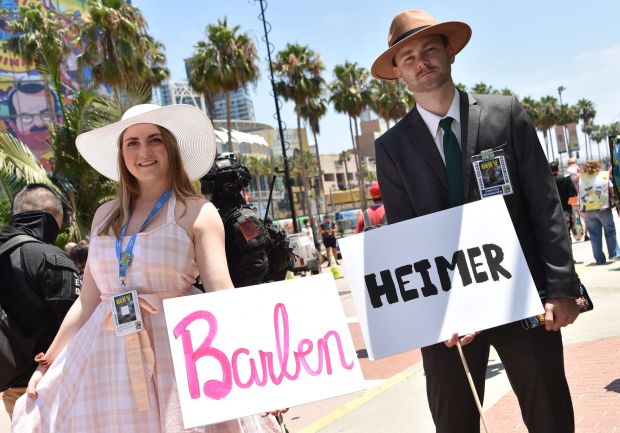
(125,257)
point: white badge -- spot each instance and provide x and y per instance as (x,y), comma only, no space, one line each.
(492,174)
(126,315)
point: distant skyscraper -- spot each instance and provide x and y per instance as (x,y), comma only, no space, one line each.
(178,92)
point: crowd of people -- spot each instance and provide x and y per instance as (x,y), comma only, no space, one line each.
(162,239)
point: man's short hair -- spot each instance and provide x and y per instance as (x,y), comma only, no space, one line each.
(553,165)
(38,197)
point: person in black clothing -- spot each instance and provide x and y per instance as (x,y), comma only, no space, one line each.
(47,271)
(566,190)
(328,233)
(256,251)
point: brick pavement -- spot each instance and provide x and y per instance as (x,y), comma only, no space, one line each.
(593,372)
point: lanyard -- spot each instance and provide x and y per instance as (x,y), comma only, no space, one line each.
(125,257)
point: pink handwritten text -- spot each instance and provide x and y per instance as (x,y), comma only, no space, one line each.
(273,368)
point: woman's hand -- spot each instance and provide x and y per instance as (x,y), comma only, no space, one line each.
(31,391)
(276,412)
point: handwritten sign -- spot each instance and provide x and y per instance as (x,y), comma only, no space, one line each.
(254,349)
(417,282)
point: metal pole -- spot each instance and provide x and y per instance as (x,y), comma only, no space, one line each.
(566,143)
(287,182)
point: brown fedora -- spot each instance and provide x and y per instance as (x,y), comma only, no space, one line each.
(415,23)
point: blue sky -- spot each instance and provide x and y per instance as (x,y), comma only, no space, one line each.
(529,46)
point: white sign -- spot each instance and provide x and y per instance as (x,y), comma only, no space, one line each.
(417,282)
(255,349)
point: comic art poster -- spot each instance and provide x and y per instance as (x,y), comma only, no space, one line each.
(27,103)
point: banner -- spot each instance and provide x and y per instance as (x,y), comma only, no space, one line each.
(559,138)
(255,349)
(417,282)
(573,141)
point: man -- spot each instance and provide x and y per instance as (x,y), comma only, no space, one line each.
(30,114)
(328,234)
(256,251)
(566,191)
(424,165)
(49,275)
(373,216)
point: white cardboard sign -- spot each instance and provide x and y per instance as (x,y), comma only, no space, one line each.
(417,282)
(255,349)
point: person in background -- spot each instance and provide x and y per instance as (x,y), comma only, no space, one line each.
(328,234)
(375,214)
(566,191)
(595,197)
(79,255)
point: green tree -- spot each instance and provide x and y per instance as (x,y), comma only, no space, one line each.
(297,69)
(115,44)
(343,158)
(484,89)
(350,95)
(224,62)
(462,87)
(549,117)
(312,112)
(587,113)
(534,109)
(390,100)
(40,41)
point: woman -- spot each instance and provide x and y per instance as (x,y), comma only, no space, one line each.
(594,187)
(155,238)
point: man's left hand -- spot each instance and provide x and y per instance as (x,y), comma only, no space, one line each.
(560,312)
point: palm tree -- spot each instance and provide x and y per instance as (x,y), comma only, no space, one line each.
(312,113)
(115,44)
(506,92)
(390,99)
(462,87)
(350,95)
(549,117)
(226,61)
(343,158)
(298,72)
(483,89)
(534,109)
(587,113)
(40,41)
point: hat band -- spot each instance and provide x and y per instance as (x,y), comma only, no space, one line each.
(408,33)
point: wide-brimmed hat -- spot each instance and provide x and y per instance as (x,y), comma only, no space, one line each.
(190,126)
(413,24)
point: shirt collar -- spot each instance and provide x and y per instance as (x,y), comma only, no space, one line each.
(432,120)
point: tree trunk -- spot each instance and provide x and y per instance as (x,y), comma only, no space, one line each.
(320,183)
(360,174)
(305,192)
(229,121)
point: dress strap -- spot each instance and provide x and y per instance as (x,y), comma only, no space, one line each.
(172,202)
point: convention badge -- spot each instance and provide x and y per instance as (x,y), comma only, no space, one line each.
(126,315)
(491,173)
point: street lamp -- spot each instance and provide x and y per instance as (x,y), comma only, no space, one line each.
(563,112)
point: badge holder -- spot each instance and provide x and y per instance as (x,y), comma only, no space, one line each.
(126,314)
(491,173)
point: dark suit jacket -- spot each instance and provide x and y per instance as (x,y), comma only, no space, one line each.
(414,182)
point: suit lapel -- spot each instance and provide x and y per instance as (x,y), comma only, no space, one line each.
(424,142)
(470,121)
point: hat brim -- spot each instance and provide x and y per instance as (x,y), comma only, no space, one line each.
(457,32)
(190,126)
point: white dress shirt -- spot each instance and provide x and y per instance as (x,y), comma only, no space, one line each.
(432,122)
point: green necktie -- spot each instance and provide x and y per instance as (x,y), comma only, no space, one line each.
(454,163)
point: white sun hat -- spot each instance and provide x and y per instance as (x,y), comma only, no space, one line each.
(190,126)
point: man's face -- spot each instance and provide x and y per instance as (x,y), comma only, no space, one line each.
(424,64)
(31,118)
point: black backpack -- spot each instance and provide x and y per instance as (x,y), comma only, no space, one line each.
(16,348)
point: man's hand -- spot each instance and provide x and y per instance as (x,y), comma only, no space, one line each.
(464,340)
(560,312)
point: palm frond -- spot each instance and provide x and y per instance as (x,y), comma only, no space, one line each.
(17,160)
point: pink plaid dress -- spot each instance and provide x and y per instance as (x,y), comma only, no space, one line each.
(89,387)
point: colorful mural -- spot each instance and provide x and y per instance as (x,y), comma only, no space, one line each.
(27,103)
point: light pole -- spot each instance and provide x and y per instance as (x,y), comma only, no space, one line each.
(563,113)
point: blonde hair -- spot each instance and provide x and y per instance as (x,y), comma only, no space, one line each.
(592,166)
(128,189)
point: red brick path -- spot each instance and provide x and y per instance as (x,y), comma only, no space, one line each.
(593,372)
